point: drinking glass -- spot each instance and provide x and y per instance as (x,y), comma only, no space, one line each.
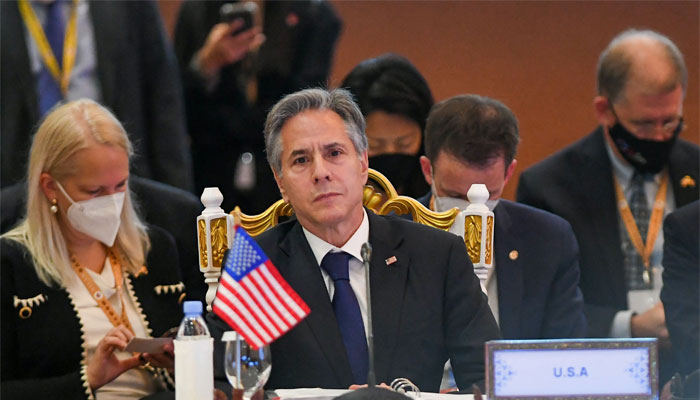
(246,369)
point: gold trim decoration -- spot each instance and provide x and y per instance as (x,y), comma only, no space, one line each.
(378,195)
(472,237)
(25,312)
(202,232)
(489,239)
(219,241)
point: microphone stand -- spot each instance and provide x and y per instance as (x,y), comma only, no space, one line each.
(366,255)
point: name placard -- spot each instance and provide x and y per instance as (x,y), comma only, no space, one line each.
(572,369)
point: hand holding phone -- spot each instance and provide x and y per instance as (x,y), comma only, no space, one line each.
(245,11)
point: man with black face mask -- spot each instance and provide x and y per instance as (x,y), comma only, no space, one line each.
(615,185)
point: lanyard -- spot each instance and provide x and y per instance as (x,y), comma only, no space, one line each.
(70,43)
(655,220)
(97,294)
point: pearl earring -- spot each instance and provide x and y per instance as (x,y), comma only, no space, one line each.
(54,207)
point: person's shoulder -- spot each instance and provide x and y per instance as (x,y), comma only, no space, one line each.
(557,162)
(12,249)
(408,228)
(524,214)
(276,234)
(158,192)
(688,215)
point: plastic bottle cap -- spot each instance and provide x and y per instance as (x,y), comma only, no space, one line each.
(192,307)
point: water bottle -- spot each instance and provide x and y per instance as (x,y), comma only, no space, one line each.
(192,326)
(194,347)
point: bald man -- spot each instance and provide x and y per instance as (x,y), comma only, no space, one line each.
(615,185)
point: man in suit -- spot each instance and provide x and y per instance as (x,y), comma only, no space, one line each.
(615,185)
(426,302)
(680,291)
(122,60)
(232,79)
(165,206)
(533,287)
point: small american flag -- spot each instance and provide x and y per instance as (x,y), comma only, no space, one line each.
(252,297)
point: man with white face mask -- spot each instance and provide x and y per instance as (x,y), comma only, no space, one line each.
(533,288)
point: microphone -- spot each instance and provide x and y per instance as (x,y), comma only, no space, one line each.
(366,253)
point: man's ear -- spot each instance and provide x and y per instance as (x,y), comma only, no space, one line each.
(603,114)
(364,165)
(278,179)
(427,169)
(509,171)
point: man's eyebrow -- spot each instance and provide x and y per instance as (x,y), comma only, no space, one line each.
(298,152)
(333,145)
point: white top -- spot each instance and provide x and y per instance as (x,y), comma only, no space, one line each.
(136,382)
(640,301)
(355,268)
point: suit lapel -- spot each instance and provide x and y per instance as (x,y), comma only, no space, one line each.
(388,284)
(303,274)
(598,190)
(509,273)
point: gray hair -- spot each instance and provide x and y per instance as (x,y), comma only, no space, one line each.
(339,101)
(616,63)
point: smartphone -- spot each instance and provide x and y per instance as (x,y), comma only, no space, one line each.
(245,11)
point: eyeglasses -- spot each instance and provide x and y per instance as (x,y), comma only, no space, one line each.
(645,128)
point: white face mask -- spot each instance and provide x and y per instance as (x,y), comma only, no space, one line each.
(448,203)
(99,217)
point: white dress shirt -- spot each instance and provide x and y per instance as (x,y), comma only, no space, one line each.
(355,267)
(640,301)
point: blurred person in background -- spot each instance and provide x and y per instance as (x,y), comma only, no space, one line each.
(114,52)
(82,274)
(233,75)
(395,100)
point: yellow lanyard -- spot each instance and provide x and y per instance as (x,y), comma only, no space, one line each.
(70,43)
(97,294)
(655,221)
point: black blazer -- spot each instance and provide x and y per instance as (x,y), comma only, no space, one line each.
(576,183)
(137,74)
(165,206)
(426,307)
(42,355)
(538,293)
(681,285)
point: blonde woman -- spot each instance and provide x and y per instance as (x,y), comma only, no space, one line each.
(81,274)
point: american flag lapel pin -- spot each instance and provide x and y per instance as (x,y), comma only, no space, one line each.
(390,260)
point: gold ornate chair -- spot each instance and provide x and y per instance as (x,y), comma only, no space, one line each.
(379,196)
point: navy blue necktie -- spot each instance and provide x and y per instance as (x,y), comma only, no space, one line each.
(347,312)
(54,29)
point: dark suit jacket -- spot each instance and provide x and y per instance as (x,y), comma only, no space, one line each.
(681,284)
(297,54)
(426,307)
(576,183)
(167,207)
(137,73)
(538,294)
(42,355)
